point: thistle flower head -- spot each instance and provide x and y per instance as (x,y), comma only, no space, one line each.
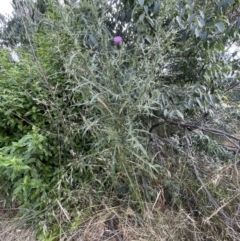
(118,40)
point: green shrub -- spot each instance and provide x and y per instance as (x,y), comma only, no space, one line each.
(77,110)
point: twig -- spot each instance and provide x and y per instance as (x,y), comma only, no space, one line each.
(63,210)
(220,208)
(105,106)
(233,149)
(231,87)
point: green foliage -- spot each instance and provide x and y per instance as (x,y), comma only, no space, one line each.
(21,164)
(76,109)
(26,15)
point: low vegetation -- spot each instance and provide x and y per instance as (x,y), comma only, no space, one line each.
(128,138)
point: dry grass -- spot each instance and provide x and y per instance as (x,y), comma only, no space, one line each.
(158,222)
(157,225)
(12,228)
(161,225)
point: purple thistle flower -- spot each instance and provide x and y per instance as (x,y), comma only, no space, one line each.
(117,39)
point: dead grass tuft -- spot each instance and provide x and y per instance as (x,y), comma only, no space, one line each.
(12,228)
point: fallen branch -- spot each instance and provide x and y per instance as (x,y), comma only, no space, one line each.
(211,199)
(191,127)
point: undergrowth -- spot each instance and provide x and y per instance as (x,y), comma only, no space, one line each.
(106,141)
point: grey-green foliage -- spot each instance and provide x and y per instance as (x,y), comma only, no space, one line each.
(82,119)
(26,14)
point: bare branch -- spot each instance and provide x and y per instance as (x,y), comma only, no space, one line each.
(211,199)
(192,127)
(231,87)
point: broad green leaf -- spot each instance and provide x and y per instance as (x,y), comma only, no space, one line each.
(238,23)
(202,14)
(141,2)
(146,9)
(123,16)
(201,22)
(156,7)
(180,22)
(198,32)
(220,26)
(93,40)
(148,39)
(180,114)
(213,101)
(171,114)
(17,190)
(205,36)
(185,36)
(199,103)
(165,113)
(190,5)
(8,112)
(141,17)
(191,18)
(235,53)
(150,21)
